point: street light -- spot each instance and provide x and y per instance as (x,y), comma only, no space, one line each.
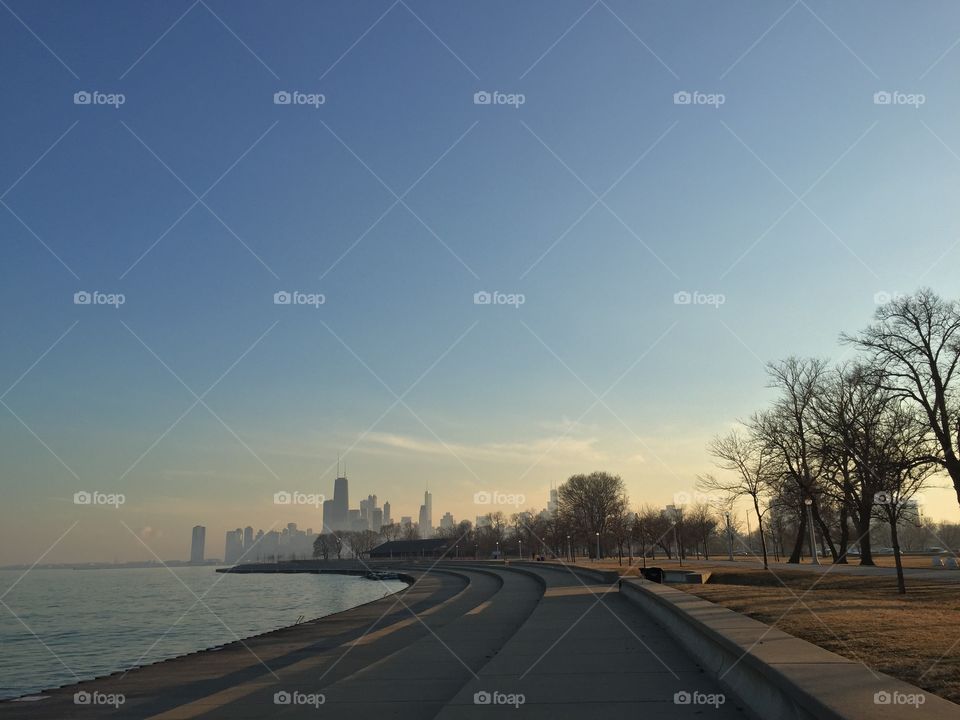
(813,538)
(729,539)
(520,543)
(569,552)
(598,547)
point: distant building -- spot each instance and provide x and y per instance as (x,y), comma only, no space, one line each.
(247,538)
(447,522)
(233,547)
(376,522)
(335,510)
(426,515)
(386,514)
(198,543)
(428,548)
(483,521)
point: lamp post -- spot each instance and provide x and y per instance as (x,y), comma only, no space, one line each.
(520,543)
(813,538)
(569,551)
(598,547)
(729,539)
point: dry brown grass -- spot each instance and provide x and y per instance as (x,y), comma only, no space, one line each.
(915,637)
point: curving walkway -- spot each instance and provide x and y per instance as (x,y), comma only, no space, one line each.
(569,646)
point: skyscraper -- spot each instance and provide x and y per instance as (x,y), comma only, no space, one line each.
(233,546)
(386,514)
(426,515)
(247,538)
(335,510)
(447,522)
(198,543)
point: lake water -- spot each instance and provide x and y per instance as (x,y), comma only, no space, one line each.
(80,624)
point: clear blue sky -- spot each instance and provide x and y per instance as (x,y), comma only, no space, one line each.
(719,203)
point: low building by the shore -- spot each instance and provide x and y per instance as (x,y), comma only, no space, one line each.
(411,549)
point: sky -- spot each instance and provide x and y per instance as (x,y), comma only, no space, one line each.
(629,153)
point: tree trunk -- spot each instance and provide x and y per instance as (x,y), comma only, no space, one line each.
(798,543)
(824,533)
(895,541)
(763,540)
(863,530)
(844,535)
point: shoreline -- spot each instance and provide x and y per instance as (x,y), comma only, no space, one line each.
(406,578)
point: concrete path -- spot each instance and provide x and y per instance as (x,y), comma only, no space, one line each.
(851,568)
(477,639)
(587,652)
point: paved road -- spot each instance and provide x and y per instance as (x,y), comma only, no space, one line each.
(565,645)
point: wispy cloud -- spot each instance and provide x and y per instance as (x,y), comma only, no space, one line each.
(562,451)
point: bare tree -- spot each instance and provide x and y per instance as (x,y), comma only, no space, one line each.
(914,345)
(589,502)
(753,464)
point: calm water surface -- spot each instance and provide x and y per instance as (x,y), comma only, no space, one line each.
(80,624)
